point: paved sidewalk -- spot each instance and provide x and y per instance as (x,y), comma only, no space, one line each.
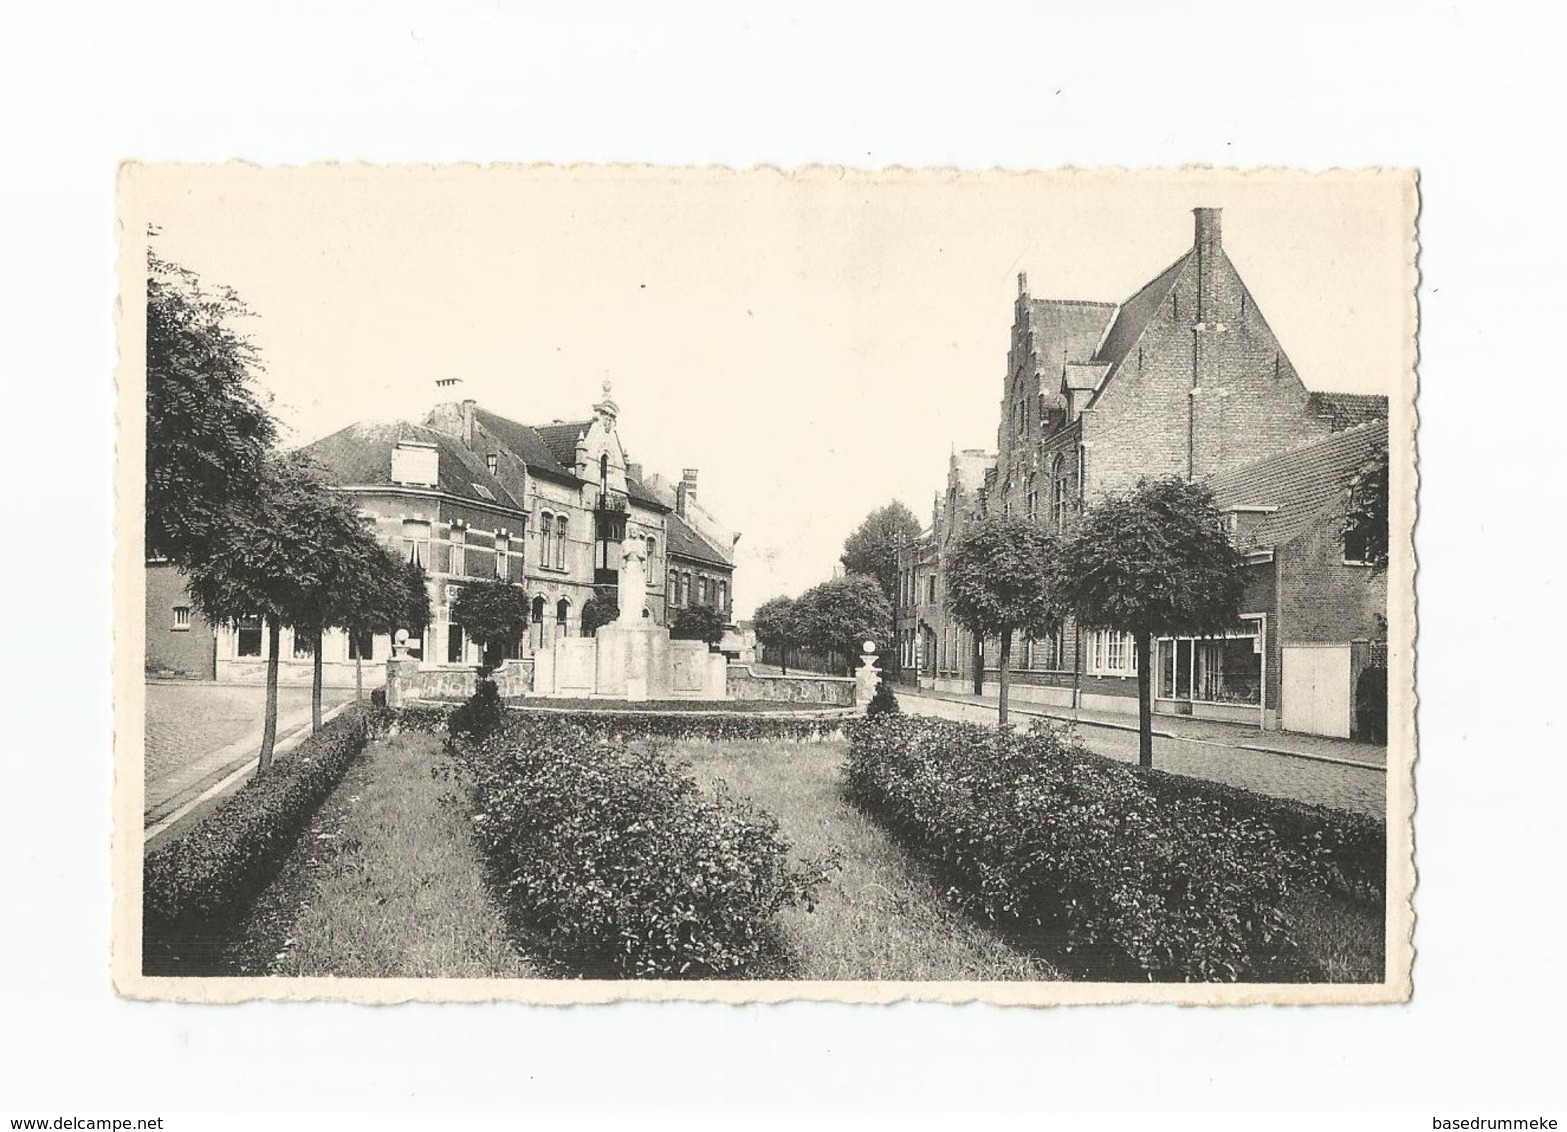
(1323,780)
(198,732)
(1237,735)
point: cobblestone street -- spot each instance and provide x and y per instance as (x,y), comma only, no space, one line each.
(187,723)
(1282,776)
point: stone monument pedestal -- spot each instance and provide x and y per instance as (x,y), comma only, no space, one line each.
(633,661)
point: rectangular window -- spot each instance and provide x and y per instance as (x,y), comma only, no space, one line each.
(181,618)
(492,463)
(459,562)
(546,537)
(1223,670)
(416,541)
(560,542)
(248,641)
(454,643)
(304,645)
(1111,654)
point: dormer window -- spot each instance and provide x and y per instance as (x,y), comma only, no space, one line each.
(492,463)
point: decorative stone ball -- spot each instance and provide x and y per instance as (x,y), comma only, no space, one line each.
(402,637)
(870,646)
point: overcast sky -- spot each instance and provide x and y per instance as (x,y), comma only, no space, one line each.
(814,345)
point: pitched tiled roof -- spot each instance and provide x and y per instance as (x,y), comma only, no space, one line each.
(1133,316)
(528,445)
(361,455)
(1345,410)
(1066,330)
(561,438)
(1301,484)
(685,541)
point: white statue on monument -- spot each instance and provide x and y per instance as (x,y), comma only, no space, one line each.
(633,581)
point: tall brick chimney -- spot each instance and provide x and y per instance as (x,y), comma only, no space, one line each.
(1022,284)
(1208,229)
(468,406)
(685,494)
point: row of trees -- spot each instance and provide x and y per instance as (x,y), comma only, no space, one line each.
(832,619)
(257,532)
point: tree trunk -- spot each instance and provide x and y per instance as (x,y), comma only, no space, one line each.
(269,725)
(783,657)
(978,659)
(359,676)
(1144,701)
(1006,673)
(315,683)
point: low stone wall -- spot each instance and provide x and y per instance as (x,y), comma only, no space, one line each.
(745,683)
(406,680)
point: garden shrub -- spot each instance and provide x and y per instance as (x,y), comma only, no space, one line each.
(1035,832)
(481,714)
(207,872)
(617,863)
(883,702)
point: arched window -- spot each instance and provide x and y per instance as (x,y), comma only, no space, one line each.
(560,542)
(604,469)
(538,611)
(562,615)
(652,549)
(546,535)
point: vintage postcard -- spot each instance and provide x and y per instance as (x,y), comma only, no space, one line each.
(579,584)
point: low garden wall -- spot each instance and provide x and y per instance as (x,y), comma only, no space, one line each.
(406,680)
(745,683)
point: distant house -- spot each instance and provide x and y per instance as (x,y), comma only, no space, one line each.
(1186,378)
(474,496)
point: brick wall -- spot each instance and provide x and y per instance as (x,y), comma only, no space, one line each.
(186,652)
(1250,401)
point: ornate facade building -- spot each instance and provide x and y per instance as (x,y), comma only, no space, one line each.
(1185,377)
(474,496)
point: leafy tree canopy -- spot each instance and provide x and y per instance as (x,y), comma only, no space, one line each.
(209,430)
(776,623)
(598,611)
(840,615)
(872,549)
(492,613)
(1366,521)
(1001,577)
(278,552)
(698,623)
(1155,561)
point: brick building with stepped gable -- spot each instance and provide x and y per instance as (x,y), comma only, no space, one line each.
(1183,378)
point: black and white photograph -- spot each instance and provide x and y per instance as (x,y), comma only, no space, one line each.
(580,584)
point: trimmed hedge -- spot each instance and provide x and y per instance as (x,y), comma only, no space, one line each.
(616,863)
(1040,834)
(207,872)
(716,727)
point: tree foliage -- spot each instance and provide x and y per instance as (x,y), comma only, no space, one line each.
(277,555)
(698,623)
(1000,580)
(1366,519)
(872,549)
(836,617)
(596,612)
(493,613)
(1154,562)
(209,429)
(777,626)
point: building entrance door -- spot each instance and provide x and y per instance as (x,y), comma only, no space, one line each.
(1316,692)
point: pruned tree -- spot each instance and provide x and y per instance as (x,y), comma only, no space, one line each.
(872,548)
(1153,562)
(777,626)
(1366,517)
(836,617)
(493,613)
(598,612)
(396,598)
(270,558)
(209,429)
(698,623)
(1001,580)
